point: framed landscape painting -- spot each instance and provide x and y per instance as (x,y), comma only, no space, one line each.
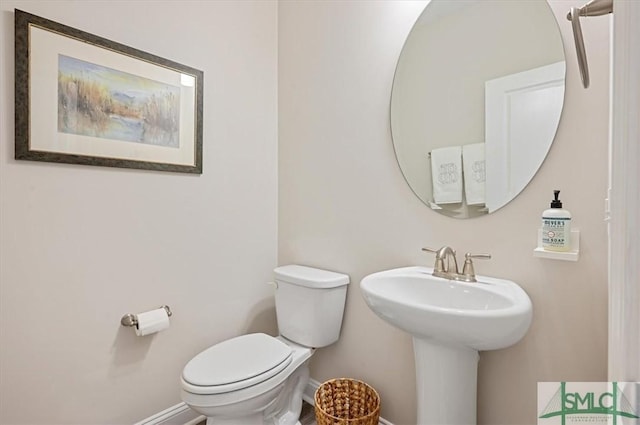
(82,99)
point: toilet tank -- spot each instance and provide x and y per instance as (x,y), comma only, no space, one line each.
(310,304)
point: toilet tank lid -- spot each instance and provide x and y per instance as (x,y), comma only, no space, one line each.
(310,277)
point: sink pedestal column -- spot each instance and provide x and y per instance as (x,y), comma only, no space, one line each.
(446,380)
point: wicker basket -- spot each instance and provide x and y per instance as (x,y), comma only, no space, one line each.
(346,402)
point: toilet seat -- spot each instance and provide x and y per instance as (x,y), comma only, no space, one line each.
(236,364)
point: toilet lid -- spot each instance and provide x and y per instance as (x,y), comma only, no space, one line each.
(244,358)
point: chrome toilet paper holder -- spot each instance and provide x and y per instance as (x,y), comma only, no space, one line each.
(132,319)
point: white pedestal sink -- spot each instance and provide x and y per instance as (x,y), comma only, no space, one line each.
(450,321)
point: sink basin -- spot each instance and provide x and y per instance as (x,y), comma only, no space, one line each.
(484,315)
(450,321)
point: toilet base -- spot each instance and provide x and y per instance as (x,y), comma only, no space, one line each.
(241,421)
(280,406)
(288,405)
(257,420)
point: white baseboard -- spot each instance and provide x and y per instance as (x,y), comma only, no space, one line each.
(181,414)
(310,391)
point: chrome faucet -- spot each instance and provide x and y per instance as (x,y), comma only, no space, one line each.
(443,265)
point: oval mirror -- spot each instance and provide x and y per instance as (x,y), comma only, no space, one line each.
(476,101)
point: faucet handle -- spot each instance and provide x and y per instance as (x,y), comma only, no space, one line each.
(439,264)
(468,272)
(480,256)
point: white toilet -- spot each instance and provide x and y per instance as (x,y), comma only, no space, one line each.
(257,379)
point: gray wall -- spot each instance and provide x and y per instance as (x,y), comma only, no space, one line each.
(344,205)
(81,246)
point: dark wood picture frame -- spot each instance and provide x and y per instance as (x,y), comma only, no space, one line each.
(33,106)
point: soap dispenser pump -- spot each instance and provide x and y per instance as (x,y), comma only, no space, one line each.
(556,226)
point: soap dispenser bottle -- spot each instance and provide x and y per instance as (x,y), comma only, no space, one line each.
(556,226)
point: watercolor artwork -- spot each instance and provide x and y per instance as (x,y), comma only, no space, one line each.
(86,100)
(97,101)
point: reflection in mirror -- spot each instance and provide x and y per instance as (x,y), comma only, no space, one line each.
(476,101)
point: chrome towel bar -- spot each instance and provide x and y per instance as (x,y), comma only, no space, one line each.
(593,8)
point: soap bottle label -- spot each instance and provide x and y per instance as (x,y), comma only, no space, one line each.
(556,233)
